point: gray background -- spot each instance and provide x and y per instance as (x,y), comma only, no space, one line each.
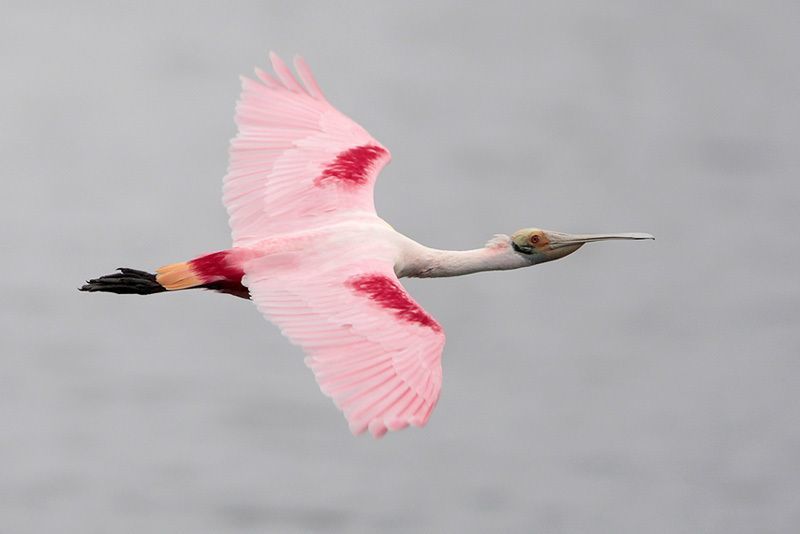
(633,387)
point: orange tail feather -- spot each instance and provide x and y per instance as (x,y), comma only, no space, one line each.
(178,276)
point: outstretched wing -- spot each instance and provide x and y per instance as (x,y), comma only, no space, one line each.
(374,350)
(296,162)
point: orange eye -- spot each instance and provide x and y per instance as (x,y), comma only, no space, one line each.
(534,239)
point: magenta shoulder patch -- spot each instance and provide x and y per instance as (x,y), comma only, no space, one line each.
(216,267)
(351,166)
(390,295)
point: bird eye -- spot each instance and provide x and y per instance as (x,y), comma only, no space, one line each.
(534,238)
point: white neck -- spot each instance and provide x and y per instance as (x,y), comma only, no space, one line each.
(424,262)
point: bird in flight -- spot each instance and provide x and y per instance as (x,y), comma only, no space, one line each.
(313,255)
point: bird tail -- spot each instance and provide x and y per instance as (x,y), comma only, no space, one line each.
(133,281)
(218,271)
(126,281)
(180,275)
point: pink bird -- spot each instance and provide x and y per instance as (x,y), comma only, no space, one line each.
(312,253)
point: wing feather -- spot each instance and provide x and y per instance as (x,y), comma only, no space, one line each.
(284,74)
(296,162)
(380,363)
(307,77)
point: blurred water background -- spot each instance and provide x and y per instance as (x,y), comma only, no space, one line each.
(633,387)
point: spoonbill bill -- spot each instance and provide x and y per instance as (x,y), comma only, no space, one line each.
(313,255)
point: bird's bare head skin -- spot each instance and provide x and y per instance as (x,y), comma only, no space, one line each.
(546,245)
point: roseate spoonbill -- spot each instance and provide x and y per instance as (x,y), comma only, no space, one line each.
(310,251)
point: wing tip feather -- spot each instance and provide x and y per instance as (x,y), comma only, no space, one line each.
(284,74)
(357,427)
(307,77)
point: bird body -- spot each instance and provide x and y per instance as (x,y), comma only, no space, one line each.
(316,259)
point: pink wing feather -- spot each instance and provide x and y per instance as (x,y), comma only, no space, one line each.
(371,347)
(296,162)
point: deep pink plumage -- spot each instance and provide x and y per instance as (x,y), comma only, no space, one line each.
(390,295)
(351,167)
(218,266)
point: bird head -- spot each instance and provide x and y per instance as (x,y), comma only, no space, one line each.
(539,246)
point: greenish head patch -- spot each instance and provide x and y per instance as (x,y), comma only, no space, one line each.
(530,240)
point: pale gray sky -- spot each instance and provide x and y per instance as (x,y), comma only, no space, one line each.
(632,387)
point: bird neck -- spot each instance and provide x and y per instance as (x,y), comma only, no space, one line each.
(435,263)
